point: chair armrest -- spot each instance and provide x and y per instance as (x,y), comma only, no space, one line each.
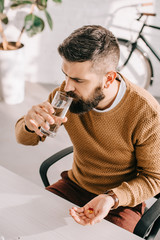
(51,160)
(148,222)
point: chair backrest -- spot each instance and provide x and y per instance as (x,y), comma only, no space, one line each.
(149,224)
(50,161)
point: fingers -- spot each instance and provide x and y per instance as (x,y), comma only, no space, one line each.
(42,116)
(64,119)
(79,216)
(41,113)
(78,210)
(47,106)
(38,114)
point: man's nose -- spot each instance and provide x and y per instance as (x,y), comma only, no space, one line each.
(69,87)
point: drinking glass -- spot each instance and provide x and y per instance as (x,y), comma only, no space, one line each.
(61,104)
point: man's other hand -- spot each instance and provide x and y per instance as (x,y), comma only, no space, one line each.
(94,211)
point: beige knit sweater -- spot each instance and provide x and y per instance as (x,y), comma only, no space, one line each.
(118,149)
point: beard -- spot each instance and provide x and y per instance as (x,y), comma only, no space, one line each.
(80,106)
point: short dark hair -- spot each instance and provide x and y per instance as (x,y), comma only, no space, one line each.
(92,43)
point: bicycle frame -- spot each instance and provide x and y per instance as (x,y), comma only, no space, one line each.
(134,44)
(146,42)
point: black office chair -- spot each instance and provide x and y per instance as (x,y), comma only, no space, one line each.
(149,224)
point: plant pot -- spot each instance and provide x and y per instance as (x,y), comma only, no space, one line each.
(12,76)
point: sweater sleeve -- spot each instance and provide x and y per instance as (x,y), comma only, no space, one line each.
(147,154)
(25,137)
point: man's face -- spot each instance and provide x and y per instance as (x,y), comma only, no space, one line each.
(83,84)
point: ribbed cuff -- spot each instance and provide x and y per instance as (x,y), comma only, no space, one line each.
(28,130)
(122,196)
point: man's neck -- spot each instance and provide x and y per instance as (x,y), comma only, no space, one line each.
(110,95)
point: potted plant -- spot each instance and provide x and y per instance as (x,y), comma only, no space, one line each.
(11,52)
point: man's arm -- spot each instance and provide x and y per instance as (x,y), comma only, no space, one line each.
(147,154)
(139,189)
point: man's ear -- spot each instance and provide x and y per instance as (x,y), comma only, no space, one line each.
(110,77)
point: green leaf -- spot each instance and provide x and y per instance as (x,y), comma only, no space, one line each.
(41,4)
(49,19)
(33,25)
(57,1)
(17,3)
(4,18)
(1,6)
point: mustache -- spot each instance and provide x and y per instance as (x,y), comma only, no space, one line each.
(72,94)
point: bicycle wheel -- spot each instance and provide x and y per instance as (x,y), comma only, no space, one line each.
(138,69)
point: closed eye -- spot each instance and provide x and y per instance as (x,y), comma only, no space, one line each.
(79,80)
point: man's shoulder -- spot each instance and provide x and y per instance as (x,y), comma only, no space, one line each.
(141,98)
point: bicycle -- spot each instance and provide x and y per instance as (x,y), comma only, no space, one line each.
(131,53)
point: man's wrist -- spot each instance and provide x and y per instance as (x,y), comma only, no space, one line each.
(115,198)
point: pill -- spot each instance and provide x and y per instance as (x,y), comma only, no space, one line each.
(90,210)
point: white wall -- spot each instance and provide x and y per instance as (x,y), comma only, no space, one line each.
(43,63)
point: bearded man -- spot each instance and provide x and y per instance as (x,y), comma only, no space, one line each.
(114,126)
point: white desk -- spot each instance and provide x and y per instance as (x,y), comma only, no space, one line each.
(32,213)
